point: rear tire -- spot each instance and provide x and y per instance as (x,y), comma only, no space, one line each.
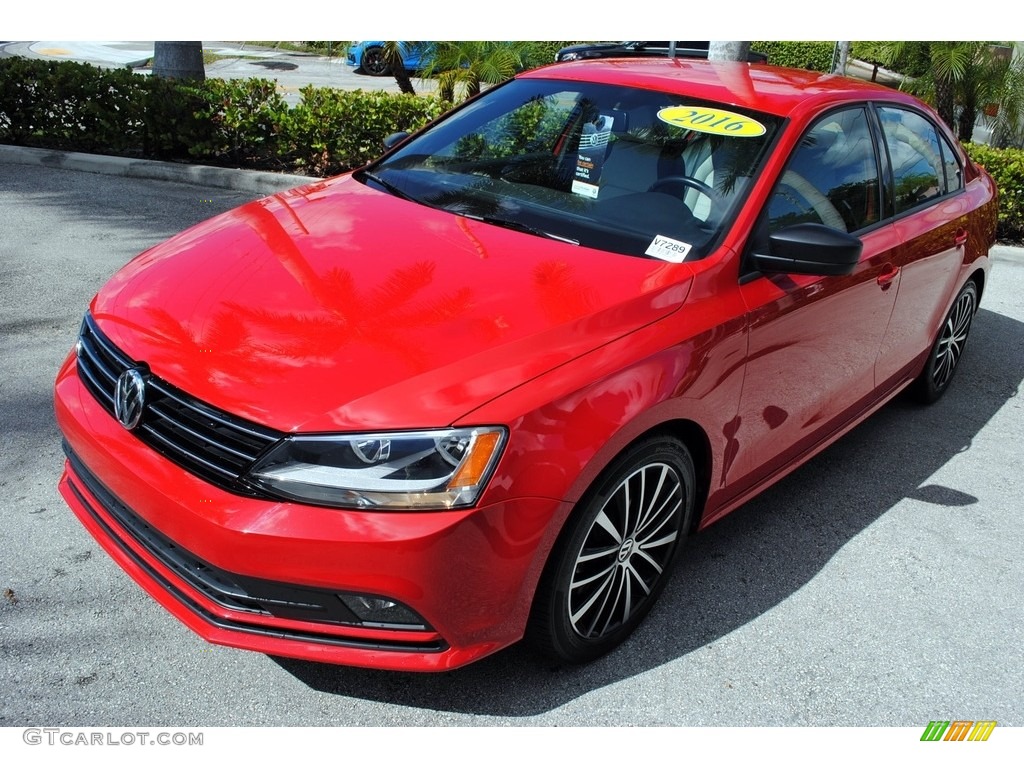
(945,356)
(614,556)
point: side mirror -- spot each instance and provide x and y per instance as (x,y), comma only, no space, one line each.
(810,249)
(395,138)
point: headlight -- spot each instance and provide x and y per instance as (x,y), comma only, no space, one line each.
(430,469)
(572,56)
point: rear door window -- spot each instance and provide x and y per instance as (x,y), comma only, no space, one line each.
(916,157)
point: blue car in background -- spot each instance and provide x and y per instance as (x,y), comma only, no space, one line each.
(367,56)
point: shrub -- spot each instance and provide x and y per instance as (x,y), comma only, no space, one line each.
(244,122)
(65,105)
(332,131)
(802,54)
(79,107)
(1007,168)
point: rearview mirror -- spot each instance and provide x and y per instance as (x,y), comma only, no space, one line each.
(395,138)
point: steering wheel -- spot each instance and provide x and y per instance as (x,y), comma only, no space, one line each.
(821,205)
(712,194)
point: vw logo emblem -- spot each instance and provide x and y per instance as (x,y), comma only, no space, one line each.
(130,398)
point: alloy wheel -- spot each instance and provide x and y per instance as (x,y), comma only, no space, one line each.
(952,340)
(374,63)
(626,551)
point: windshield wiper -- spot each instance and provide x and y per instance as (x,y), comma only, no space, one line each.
(519,226)
(392,188)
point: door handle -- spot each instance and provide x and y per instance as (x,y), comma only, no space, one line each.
(960,237)
(889,273)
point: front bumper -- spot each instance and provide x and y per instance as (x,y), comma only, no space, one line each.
(263,575)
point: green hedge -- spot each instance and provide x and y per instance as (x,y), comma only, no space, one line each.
(1007,168)
(64,105)
(802,54)
(79,107)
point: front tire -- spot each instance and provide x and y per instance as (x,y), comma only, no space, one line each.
(613,559)
(945,356)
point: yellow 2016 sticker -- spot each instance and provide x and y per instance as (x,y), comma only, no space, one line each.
(710,120)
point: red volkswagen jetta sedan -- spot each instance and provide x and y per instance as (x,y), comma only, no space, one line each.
(485,387)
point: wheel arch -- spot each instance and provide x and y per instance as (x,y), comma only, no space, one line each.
(696,441)
(978,276)
(689,432)
(539,625)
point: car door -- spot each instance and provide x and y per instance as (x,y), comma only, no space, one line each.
(813,340)
(931,219)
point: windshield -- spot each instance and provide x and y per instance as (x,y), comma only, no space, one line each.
(625,170)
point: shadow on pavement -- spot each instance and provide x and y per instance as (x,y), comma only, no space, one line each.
(749,562)
(280,66)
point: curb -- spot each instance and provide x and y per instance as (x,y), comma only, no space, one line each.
(1014,253)
(258,182)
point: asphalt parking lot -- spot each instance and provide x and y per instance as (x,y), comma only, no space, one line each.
(879,585)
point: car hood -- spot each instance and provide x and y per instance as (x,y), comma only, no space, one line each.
(337,307)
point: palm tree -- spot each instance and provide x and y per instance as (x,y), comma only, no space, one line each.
(1008,122)
(462,67)
(394,56)
(963,73)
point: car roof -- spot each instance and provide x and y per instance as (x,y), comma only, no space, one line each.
(775,90)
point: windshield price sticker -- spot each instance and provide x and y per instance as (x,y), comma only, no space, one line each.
(708,120)
(667,249)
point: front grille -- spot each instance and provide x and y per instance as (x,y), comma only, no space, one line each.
(208,442)
(240,594)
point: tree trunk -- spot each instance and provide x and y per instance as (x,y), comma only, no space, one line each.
(178,60)
(944,100)
(968,116)
(843,49)
(728,50)
(393,54)
(398,70)
(402,78)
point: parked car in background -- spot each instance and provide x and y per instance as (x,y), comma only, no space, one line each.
(690,49)
(485,387)
(367,56)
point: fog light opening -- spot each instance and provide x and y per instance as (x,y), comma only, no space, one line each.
(376,611)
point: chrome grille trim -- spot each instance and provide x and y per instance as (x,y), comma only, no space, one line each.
(210,443)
